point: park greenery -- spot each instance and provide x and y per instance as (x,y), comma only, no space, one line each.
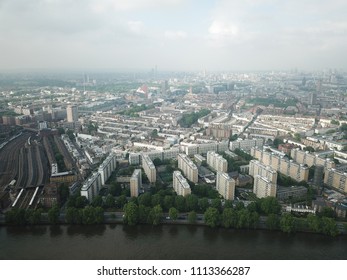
(188,119)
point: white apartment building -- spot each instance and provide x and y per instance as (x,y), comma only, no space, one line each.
(72,113)
(217,162)
(225,185)
(263,187)
(91,186)
(107,167)
(135,183)
(246,144)
(188,168)
(180,184)
(149,168)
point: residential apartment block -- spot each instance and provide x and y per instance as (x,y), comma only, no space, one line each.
(217,162)
(91,186)
(135,183)
(304,157)
(336,179)
(296,171)
(107,167)
(246,144)
(180,184)
(225,185)
(263,187)
(149,168)
(188,168)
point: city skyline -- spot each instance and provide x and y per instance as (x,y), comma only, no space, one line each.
(174,35)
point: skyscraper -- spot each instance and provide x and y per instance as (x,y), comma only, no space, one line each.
(72,113)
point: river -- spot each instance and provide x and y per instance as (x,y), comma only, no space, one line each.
(107,242)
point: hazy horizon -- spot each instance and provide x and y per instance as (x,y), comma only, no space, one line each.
(174,35)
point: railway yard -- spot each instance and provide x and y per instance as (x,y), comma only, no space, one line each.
(25,163)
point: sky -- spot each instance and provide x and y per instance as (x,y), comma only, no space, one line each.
(174,35)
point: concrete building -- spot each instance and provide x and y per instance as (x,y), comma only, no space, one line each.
(336,179)
(225,185)
(284,193)
(217,162)
(304,157)
(149,168)
(107,167)
(135,183)
(294,170)
(257,168)
(180,184)
(188,168)
(72,113)
(134,158)
(263,187)
(246,144)
(91,187)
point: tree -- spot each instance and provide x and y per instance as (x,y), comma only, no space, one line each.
(211,217)
(121,201)
(156,214)
(109,201)
(115,189)
(192,202)
(287,223)
(272,221)
(270,205)
(88,215)
(81,202)
(277,142)
(216,203)
(228,204)
(227,217)
(327,212)
(156,199)
(131,214)
(329,226)
(192,217)
(309,149)
(97,201)
(99,215)
(244,219)
(180,203)
(173,213)
(72,215)
(145,199)
(314,222)
(144,214)
(168,202)
(53,214)
(203,204)
(154,133)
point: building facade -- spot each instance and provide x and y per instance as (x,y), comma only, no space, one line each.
(217,162)
(135,183)
(188,167)
(225,185)
(149,168)
(180,184)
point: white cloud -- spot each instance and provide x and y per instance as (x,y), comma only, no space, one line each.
(136,26)
(175,35)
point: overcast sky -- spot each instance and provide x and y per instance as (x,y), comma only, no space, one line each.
(173,34)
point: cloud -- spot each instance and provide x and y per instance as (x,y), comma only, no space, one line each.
(136,26)
(175,35)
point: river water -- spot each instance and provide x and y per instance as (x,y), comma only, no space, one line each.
(107,242)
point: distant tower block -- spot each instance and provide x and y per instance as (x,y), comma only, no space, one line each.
(72,113)
(318,176)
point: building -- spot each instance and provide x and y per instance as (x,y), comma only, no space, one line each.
(293,192)
(149,168)
(91,187)
(257,168)
(189,169)
(107,167)
(263,187)
(225,185)
(294,170)
(134,158)
(310,159)
(180,184)
(217,162)
(135,183)
(246,144)
(336,179)
(72,113)
(318,176)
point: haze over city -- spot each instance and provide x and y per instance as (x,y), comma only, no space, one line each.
(174,34)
